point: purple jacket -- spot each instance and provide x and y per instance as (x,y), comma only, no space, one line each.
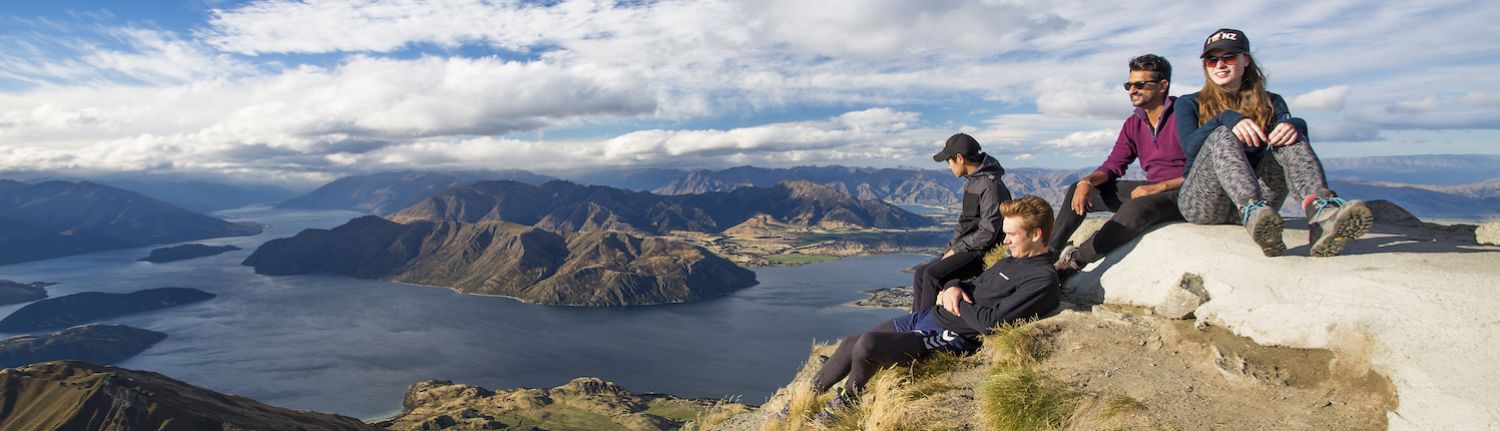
(1160,154)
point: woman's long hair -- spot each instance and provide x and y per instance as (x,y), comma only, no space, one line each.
(1251,100)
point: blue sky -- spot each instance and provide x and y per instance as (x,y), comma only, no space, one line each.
(305,91)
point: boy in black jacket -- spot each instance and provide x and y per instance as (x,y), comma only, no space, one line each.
(1021,286)
(978,225)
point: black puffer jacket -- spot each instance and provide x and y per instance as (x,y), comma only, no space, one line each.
(979,224)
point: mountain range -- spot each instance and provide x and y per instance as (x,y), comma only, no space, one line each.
(561,206)
(388,192)
(59,218)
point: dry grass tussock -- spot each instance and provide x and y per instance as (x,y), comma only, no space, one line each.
(1018,394)
(714,415)
(896,399)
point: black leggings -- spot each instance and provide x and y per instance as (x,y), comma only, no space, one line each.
(861,355)
(1132,217)
(929,277)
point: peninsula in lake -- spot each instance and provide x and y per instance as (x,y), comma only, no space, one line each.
(79,308)
(100,344)
(14,293)
(568,244)
(185,252)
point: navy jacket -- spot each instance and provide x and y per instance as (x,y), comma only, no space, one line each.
(1191,135)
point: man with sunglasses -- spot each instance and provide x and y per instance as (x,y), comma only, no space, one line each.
(1149,135)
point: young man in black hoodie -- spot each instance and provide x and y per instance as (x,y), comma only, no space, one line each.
(978,224)
(1023,285)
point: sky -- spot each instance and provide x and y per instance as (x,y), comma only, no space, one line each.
(307,91)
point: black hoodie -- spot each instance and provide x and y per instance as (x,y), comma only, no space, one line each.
(1011,290)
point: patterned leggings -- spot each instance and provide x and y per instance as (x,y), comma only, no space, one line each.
(1222,179)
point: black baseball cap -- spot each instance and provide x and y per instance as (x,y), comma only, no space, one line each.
(958,144)
(1228,39)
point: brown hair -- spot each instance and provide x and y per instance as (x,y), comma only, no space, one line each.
(1251,100)
(1033,212)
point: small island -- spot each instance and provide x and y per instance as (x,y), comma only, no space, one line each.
(80,308)
(14,293)
(100,344)
(185,252)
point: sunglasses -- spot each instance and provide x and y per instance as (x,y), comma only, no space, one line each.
(1228,59)
(1140,84)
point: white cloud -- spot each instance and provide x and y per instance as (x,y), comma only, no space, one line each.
(1085,143)
(388,87)
(1322,99)
(1415,106)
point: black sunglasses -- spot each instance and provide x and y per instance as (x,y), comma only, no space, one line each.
(1141,84)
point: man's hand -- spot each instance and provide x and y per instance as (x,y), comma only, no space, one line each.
(1146,190)
(947,255)
(950,297)
(1081,196)
(1249,133)
(1284,134)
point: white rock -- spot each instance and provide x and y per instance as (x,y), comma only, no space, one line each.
(1182,300)
(1488,233)
(1423,312)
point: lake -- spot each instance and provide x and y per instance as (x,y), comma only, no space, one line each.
(351,346)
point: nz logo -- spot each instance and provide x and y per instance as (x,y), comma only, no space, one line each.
(1222,36)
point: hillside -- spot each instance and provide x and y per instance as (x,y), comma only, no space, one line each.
(68,395)
(56,218)
(582,404)
(595,268)
(388,192)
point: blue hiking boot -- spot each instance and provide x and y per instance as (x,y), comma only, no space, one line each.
(1332,222)
(1265,227)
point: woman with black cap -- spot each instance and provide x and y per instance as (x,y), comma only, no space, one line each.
(1244,150)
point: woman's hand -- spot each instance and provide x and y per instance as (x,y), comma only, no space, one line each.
(1284,134)
(1250,133)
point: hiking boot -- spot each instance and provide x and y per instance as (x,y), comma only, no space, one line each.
(1068,260)
(1265,227)
(1332,222)
(842,400)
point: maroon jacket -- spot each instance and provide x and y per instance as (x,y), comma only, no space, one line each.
(1160,154)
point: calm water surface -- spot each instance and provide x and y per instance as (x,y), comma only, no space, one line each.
(351,346)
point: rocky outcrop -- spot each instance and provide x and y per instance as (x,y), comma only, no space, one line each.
(1407,296)
(584,403)
(599,268)
(185,252)
(87,307)
(69,395)
(1488,233)
(59,218)
(99,344)
(12,292)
